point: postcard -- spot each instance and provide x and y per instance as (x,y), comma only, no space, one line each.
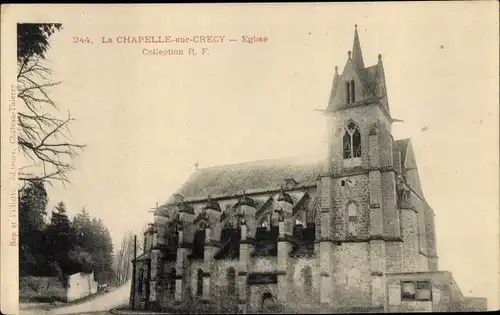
(249,158)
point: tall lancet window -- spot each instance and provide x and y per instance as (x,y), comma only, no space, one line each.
(353,97)
(199,283)
(347,92)
(352,141)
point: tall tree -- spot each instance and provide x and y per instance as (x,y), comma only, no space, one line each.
(94,238)
(32,210)
(60,236)
(42,136)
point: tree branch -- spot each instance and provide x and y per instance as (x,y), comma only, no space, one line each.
(42,136)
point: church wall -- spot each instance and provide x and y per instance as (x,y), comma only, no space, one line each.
(300,295)
(385,147)
(220,280)
(423,263)
(191,278)
(394,260)
(352,275)
(396,158)
(256,294)
(409,234)
(430,230)
(165,296)
(360,195)
(420,206)
(264,264)
(390,210)
(140,293)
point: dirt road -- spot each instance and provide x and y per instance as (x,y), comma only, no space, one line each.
(101,303)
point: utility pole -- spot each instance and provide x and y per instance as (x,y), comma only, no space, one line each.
(133,272)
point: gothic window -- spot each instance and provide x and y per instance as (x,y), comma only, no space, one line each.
(231,279)
(352,98)
(347,92)
(352,141)
(307,277)
(199,283)
(350,91)
(352,214)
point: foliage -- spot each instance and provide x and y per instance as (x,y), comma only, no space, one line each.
(33,39)
(32,210)
(62,247)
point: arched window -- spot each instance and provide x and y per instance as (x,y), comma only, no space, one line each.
(347,92)
(199,244)
(352,213)
(352,141)
(307,277)
(199,283)
(231,280)
(353,97)
(171,281)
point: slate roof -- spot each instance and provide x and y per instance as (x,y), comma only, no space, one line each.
(371,76)
(259,175)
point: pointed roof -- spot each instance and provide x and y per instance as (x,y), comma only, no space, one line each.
(357,56)
(336,81)
(371,80)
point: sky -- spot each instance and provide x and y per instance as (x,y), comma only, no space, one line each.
(146,120)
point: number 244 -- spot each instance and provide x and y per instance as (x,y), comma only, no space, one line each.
(81,40)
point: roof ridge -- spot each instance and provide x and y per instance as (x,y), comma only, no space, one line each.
(289,158)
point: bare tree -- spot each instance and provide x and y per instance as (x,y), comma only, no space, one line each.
(125,255)
(42,136)
(124,258)
(141,238)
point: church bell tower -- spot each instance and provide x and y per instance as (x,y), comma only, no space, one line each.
(357,186)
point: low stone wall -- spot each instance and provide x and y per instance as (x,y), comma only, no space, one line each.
(80,285)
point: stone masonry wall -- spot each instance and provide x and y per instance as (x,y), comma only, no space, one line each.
(352,275)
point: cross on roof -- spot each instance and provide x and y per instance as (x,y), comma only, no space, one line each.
(155,208)
(196,165)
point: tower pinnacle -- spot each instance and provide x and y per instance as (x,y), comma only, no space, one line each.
(357,56)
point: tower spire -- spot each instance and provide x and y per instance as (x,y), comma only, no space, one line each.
(357,56)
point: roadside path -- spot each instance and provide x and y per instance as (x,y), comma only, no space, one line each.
(104,302)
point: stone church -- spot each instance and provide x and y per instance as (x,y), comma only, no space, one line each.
(349,232)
